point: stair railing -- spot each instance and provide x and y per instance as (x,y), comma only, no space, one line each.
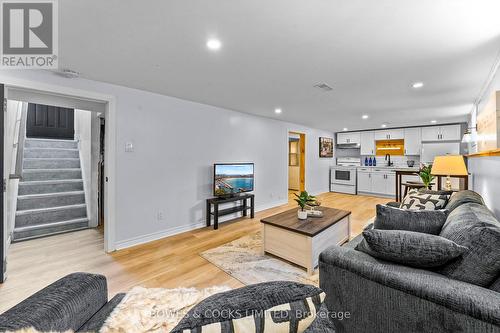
(19,137)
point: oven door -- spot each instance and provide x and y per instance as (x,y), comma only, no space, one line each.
(344,176)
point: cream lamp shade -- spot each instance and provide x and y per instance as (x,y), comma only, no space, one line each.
(449,165)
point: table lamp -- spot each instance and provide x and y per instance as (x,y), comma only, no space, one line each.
(449,165)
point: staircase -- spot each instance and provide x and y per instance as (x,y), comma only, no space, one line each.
(51,198)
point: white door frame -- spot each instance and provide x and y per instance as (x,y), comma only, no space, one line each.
(110,143)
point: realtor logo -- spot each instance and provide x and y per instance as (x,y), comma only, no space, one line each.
(29,34)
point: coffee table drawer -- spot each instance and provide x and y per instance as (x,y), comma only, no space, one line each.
(286,244)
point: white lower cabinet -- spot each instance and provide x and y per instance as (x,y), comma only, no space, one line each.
(377,181)
(364,182)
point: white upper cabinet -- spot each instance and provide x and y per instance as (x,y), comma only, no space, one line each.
(442,133)
(392,134)
(367,143)
(451,133)
(413,141)
(345,138)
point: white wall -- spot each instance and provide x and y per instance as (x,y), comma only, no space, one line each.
(486,180)
(176,142)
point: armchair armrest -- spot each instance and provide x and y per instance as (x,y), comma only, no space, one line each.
(64,305)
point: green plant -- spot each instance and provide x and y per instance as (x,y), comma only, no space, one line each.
(303,199)
(426,176)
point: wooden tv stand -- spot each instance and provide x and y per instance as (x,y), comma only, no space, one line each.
(241,207)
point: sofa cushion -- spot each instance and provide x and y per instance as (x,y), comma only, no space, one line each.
(463,197)
(426,221)
(424,201)
(64,305)
(496,285)
(278,306)
(472,225)
(409,248)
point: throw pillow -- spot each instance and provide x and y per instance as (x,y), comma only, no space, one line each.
(271,307)
(423,201)
(464,197)
(426,221)
(474,226)
(409,248)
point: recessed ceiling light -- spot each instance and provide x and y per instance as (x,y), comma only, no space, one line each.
(433,121)
(344,129)
(214,44)
(365,116)
(277,110)
(384,125)
(417,85)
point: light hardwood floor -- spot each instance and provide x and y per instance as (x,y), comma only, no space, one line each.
(169,262)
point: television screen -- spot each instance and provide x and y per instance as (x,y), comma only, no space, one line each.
(233,178)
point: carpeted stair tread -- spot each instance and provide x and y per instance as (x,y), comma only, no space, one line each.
(52,228)
(50,163)
(50,143)
(51,174)
(50,214)
(50,186)
(50,153)
(45,200)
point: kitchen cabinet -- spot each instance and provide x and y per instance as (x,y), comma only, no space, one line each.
(442,133)
(367,143)
(364,182)
(377,181)
(451,132)
(348,138)
(392,134)
(413,141)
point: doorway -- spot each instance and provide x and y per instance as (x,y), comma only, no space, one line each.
(296,162)
(50,122)
(64,102)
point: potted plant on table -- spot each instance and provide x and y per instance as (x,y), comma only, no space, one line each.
(303,199)
(426,176)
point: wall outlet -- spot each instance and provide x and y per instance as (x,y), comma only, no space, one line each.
(160,216)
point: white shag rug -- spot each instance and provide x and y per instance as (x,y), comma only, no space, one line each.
(155,309)
(243,260)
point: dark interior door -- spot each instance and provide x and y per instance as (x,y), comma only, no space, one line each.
(2,187)
(50,122)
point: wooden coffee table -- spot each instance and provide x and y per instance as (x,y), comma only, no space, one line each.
(301,241)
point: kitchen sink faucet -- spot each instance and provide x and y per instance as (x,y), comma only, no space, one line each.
(388,159)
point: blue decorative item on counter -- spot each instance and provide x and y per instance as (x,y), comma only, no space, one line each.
(366,161)
(374,161)
(370,163)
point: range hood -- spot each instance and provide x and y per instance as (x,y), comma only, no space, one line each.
(348,145)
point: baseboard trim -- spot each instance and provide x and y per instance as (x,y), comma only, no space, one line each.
(120,245)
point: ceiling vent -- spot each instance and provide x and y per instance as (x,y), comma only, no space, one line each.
(323,86)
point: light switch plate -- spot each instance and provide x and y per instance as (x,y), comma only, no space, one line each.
(129,147)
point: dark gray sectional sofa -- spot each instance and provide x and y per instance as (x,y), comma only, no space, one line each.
(386,297)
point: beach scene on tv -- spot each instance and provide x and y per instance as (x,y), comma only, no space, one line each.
(233,178)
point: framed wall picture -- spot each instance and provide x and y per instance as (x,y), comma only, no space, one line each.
(325,147)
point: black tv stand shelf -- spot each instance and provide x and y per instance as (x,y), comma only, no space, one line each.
(242,207)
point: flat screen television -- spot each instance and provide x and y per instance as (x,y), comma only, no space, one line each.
(233,178)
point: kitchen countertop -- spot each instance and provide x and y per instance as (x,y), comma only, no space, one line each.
(393,168)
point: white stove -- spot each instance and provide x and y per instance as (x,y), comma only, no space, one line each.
(343,175)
